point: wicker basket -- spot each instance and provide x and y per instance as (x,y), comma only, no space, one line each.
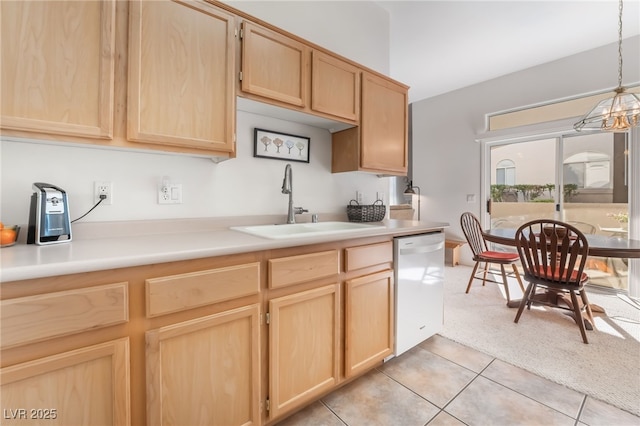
(366,213)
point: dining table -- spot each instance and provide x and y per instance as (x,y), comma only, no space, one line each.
(599,245)
(622,232)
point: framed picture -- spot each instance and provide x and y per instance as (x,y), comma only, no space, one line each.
(280,146)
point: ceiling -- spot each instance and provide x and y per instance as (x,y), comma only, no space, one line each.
(440,46)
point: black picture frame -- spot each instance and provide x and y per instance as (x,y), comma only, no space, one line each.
(280,146)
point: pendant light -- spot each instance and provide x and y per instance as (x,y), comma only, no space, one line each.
(619,113)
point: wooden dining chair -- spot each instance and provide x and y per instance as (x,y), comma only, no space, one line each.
(586,228)
(553,256)
(483,256)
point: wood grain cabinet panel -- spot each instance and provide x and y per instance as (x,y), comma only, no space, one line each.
(58,67)
(185,291)
(205,371)
(303,268)
(181,74)
(274,66)
(304,334)
(335,86)
(380,143)
(384,125)
(86,386)
(35,318)
(368,255)
(369,321)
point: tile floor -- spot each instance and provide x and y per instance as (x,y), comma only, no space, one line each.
(441,382)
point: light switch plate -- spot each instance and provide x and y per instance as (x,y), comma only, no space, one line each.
(170,194)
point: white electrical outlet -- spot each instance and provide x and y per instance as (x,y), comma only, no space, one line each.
(105,189)
(171,193)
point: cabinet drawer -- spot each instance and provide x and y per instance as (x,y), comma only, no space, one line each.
(306,267)
(35,318)
(369,255)
(185,291)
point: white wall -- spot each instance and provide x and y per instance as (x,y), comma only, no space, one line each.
(446,159)
(241,186)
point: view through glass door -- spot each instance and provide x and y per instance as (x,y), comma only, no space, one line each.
(595,169)
(580,179)
(523,182)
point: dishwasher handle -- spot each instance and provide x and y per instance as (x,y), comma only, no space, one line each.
(422,248)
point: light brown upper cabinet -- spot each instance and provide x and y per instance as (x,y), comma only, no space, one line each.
(58,67)
(274,67)
(181,75)
(335,87)
(380,143)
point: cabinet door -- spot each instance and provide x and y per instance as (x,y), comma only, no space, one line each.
(87,386)
(335,86)
(58,67)
(368,321)
(303,347)
(181,85)
(205,371)
(274,66)
(383,125)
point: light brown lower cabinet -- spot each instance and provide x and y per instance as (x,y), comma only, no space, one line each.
(369,316)
(205,371)
(86,386)
(245,339)
(304,332)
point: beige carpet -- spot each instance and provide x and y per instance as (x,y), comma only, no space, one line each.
(548,343)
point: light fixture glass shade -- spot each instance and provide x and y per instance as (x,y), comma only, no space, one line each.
(616,114)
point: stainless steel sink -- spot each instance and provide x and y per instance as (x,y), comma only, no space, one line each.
(306,229)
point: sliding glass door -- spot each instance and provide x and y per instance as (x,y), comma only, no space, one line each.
(581,179)
(595,169)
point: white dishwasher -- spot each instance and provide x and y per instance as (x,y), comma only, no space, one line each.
(419,287)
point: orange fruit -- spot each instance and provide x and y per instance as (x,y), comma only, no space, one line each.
(7,236)
(1,225)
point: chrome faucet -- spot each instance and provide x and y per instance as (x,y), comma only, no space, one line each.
(287,188)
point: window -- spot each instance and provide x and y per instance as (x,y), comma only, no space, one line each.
(506,173)
(588,170)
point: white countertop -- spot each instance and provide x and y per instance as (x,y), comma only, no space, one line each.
(109,245)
